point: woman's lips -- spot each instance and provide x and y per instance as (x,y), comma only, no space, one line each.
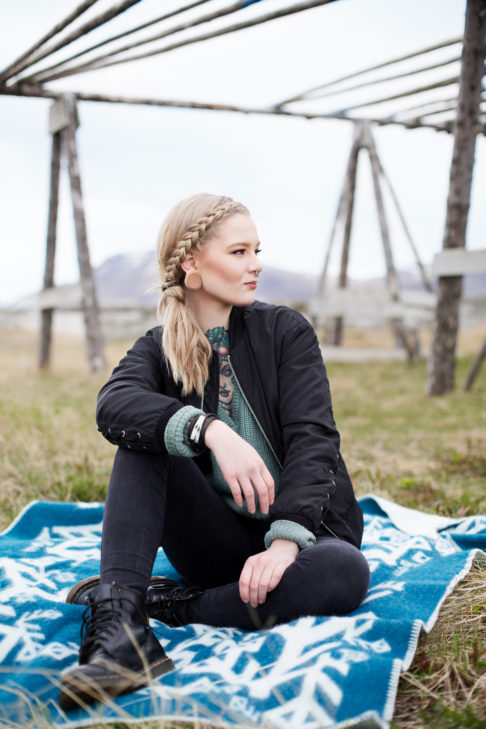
(251,284)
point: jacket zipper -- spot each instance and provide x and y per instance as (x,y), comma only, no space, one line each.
(265,435)
(252,412)
(323,523)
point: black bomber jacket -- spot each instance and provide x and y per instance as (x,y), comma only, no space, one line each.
(277,361)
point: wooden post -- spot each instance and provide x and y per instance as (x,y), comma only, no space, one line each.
(391,274)
(398,328)
(406,229)
(475,367)
(46,314)
(442,360)
(336,333)
(337,219)
(94,339)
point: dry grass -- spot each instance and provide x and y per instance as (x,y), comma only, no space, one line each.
(424,453)
(445,687)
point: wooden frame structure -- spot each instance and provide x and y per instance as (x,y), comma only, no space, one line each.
(63,122)
(464,116)
(364,141)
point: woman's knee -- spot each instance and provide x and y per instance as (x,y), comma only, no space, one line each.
(333,577)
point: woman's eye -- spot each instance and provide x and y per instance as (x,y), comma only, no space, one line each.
(242,251)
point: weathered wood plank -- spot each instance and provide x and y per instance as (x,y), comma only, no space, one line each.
(59,298)
(25,60)
(336,334)
(310,92)
(475,367)
(33,91)
(47,312)
(341,209)
(458,262)
(58,116)
(415,306)
(94,338)
(79,31)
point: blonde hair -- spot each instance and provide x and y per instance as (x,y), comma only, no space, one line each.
(186,227)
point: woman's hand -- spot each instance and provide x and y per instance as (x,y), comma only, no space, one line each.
(263,571)
(242,467)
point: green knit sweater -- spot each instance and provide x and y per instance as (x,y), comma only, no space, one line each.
(235,412)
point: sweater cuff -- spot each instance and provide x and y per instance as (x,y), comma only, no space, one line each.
(174,431)
(284,529)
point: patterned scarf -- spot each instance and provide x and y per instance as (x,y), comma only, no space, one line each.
(219,341)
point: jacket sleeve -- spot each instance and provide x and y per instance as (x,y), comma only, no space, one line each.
(139,399)
(310,438)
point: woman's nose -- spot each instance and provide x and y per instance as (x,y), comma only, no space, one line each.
(256,265)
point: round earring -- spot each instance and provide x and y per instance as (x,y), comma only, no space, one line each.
(193,280)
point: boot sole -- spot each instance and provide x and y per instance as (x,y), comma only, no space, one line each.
(77,690)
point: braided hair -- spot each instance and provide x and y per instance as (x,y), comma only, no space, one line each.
(185,229)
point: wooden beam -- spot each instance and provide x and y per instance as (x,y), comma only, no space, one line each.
(58,116)
(406,229)
(402,94)
(458,262)
(385,79)
(23,61)
(475,368)
(403,337)
(431,108)
(425,105)
(82,30)
(375,305)
(123,34)
(340,212)
(45,342)
(43,74)
(94,338)
(309,92)
(283,12)
(39,92)
(337,330)
(442,361)
(391,274)
(66,298)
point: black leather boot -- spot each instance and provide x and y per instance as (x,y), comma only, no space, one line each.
(119,652)
(165,600)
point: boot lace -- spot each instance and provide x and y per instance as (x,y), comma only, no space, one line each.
(164,600)
(100,620)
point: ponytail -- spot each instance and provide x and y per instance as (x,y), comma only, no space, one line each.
(184,343)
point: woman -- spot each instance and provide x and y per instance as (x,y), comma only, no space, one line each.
(229,459)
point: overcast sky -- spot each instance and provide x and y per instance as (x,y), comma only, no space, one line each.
(136,162)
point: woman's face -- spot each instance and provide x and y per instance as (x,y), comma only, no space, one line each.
(228,262)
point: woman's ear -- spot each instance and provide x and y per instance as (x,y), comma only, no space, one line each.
(189,263)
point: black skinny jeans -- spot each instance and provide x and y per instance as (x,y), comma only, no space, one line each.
(160,500)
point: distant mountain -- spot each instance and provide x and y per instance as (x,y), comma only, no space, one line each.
(131,280)
(127,279)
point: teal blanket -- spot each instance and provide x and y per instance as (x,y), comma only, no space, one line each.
(312,673)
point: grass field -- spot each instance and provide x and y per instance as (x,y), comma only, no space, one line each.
(424,453)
